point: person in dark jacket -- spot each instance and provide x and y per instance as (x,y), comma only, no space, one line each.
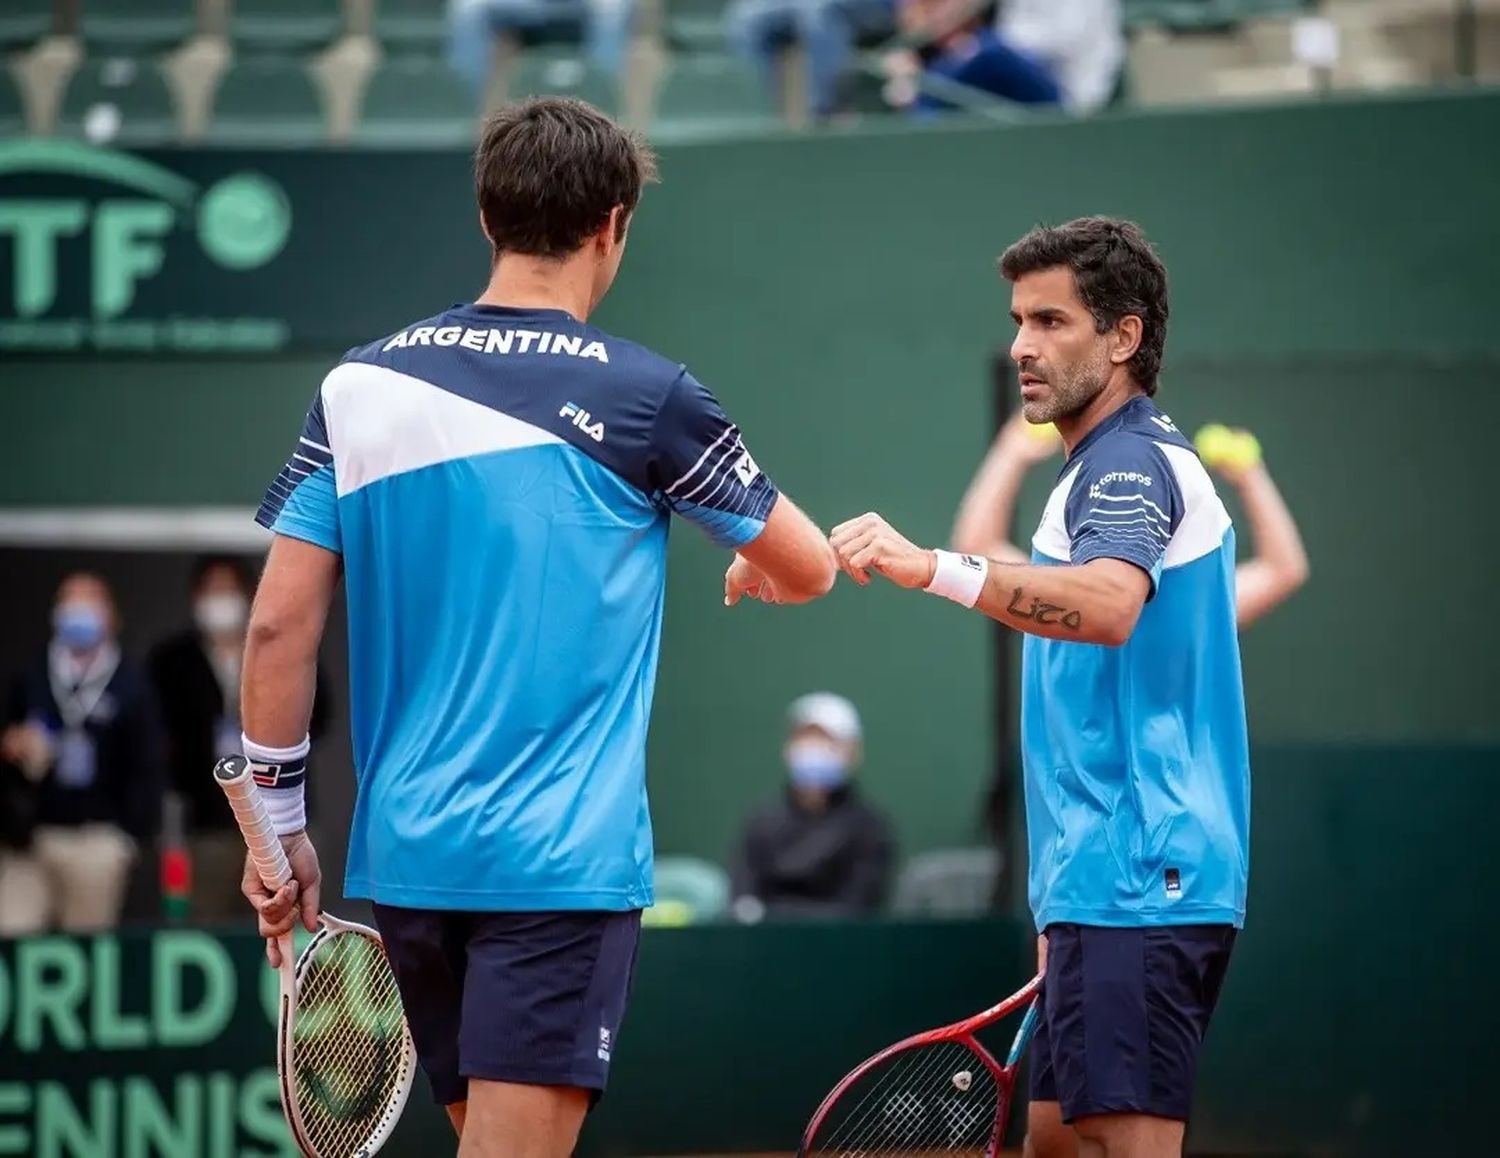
(196,674)
(821,850)
(81,740)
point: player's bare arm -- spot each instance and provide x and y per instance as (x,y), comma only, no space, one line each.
(1279,565)
(983,523)
(1094,602)
(276,697)
(790,561)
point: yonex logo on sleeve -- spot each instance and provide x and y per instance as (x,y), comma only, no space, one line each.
(746,469)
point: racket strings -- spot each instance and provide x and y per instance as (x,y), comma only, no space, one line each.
(935,1099)
(348,1044)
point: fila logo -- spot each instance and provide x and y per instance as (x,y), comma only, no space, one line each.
(581,419)
(265,775)
(746,469)
(1164,422)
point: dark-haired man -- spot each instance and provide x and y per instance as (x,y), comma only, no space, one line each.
(1133,722)
(494,485)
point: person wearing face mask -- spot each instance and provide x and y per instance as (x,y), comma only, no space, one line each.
(821,850)
(196,673)
(82,730)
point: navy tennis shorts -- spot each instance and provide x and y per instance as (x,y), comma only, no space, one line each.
(532,998)
(1123,1016)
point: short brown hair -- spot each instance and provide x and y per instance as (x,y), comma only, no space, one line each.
(548,171)
(1117,273)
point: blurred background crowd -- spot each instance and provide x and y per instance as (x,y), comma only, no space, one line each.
(417,71)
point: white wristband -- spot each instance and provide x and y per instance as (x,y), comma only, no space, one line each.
(959,577)
(279,773)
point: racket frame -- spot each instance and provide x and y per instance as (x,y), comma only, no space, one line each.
(961,1033)
(235,776)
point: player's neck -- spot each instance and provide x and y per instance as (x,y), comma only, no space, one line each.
(1076,427)
(529,283)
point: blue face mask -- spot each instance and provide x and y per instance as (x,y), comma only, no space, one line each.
(79,626)
(816,766)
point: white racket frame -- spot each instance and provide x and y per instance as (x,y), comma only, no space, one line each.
(235,777)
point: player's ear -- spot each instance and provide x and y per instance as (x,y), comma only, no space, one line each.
(1127,339)
(615,228)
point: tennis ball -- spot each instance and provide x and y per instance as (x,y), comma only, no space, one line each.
(1244,451)
(1213,442)
(668,914)
(1042,432)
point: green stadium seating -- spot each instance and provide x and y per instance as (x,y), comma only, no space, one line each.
(285,25)
(24,21)
(709,93)
(411,24)
(123,100)
(267,100)
(135,25)
(12,108)
(549,72)
(416,100)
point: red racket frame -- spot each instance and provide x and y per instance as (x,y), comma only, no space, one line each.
(960,1031)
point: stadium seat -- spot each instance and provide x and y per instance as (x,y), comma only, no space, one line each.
(688,891)
(135,25)
(543,72)
(23,22)
(958,882)
(709,93)
(12,108)
(411,25)
(417,100)
(267,100)
(123,100)
(284,25)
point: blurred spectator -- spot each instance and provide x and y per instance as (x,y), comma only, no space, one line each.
(820,850)
(196,674)
(826,29)
(473,26)
(1039,52)
(81,741)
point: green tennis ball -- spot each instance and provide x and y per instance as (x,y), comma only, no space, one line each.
(1214,443)
(1243,451)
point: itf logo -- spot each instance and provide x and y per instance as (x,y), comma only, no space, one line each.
(83,229)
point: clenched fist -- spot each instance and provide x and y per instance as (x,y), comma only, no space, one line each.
(869,543)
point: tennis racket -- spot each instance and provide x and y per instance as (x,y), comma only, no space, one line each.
(343,1050)
(939,1092)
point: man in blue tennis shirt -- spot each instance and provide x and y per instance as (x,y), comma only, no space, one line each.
(494,485)
(1133,721)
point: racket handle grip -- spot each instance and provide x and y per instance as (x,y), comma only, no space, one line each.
(235,777)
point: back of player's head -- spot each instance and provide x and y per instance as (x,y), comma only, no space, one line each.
(549,171)
(1117,273)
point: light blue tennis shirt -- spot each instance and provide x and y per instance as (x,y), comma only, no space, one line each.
(1137,767)
(498,483)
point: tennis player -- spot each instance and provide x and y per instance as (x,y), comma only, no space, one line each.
(493,484)
(1133,721)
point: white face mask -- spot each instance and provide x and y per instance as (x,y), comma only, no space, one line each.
(221,613)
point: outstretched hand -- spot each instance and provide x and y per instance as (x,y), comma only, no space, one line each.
(869,543)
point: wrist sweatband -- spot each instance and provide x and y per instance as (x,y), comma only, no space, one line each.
(280,774)
(959,577)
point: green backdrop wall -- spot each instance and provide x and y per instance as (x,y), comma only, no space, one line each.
(1332,287)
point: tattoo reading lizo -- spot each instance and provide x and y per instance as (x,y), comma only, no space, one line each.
(1043,612)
